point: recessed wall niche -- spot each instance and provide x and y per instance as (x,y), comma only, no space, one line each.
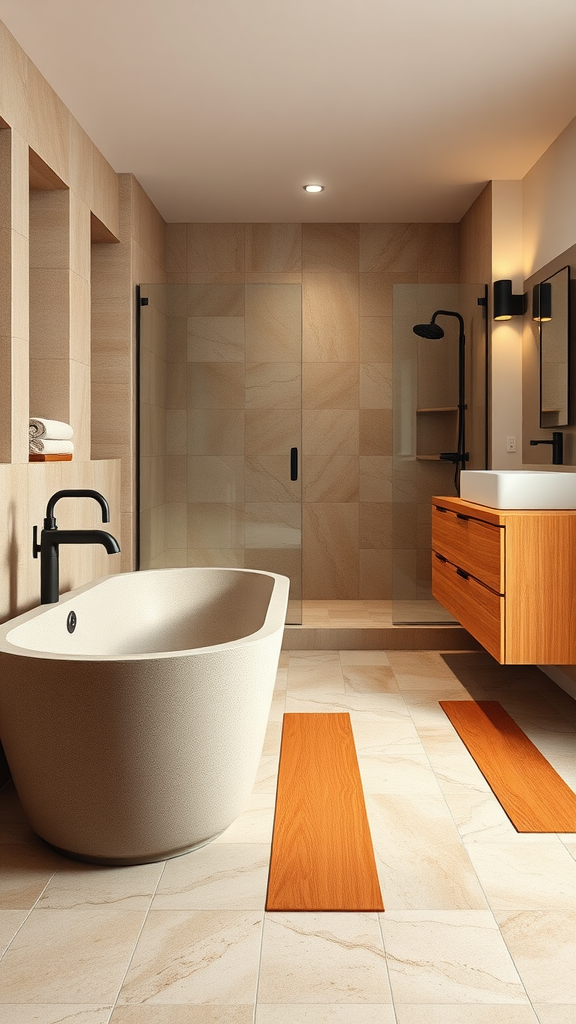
(49,294)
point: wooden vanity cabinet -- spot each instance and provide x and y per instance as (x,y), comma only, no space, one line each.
(509,577)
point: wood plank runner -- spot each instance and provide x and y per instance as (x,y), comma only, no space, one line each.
(534,796)
(322,855)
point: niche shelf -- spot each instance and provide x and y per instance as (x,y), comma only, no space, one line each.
(49,294)
(436,431)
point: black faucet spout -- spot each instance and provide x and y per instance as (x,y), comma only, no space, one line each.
(82,537)
(75,492)
(557,443)
(51,538)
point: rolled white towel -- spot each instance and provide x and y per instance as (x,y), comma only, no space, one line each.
(56,430)
(46,446)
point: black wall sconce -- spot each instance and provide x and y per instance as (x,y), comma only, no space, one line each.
(542,302)
(507,305)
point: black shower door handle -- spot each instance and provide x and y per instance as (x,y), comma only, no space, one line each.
(293,463)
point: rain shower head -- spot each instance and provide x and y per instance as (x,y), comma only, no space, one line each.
(431,331)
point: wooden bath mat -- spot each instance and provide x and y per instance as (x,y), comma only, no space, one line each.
(322,855)
(534,796)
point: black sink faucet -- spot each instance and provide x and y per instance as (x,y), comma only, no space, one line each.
(557,443)
(51,538)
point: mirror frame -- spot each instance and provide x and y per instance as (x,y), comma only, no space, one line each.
(541,337)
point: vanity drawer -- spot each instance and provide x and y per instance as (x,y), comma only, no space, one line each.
(478,609)
(475,546)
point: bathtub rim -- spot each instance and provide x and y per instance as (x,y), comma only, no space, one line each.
(273,620)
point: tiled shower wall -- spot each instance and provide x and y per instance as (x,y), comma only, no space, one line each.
(347,273)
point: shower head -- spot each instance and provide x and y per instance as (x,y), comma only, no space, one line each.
(432,331)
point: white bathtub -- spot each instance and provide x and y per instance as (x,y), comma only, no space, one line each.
(137,736)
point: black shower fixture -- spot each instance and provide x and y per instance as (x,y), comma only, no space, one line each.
(433,332)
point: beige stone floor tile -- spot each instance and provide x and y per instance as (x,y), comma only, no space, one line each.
(277,706)
(421,862)
(253,824)
(387,735)
(165,1014)
(536,716)
(398,773)
(230,876)
(42,1013)
(364,658)
(194,957)
(369,679)
(323,672)
(478,816)
(543,945)
(25,870)
(272,739)
(525,877)
(449,957)
(317,619)
(335,1013)
(267,775)
(427,712)
(383,708)
(548,1014)
(457,770)
(313,702)
(468,1013)
(323,958)
(416,669)
(75,885)
(10,923)
(70,956)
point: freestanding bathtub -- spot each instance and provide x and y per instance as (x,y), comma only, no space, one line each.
(133,712)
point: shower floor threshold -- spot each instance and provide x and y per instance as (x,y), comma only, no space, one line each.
(368,625)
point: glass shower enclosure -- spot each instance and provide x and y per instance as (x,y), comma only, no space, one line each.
(425,424)
(220,426)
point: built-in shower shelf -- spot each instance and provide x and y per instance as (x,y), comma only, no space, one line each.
(440,408)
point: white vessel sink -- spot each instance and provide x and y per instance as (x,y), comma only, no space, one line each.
(519,488)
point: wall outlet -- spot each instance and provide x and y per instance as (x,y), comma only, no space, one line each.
(510,444)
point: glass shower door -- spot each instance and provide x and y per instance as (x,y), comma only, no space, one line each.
(425,401)
(219,464)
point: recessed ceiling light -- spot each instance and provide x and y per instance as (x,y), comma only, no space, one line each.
(313,188)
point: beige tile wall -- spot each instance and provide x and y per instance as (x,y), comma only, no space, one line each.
(476,240)
(47,355)
(347,273)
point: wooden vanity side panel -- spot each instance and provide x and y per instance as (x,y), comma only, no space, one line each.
(540,623)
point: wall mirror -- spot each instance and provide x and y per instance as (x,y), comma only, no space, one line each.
(551,307)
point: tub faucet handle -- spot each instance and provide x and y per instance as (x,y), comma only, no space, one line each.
(36,547)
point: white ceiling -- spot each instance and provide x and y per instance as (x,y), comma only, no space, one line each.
(224,109)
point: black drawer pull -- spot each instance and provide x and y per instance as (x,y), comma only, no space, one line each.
(460,515)
(464,575)
(440,509)
(440,557)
